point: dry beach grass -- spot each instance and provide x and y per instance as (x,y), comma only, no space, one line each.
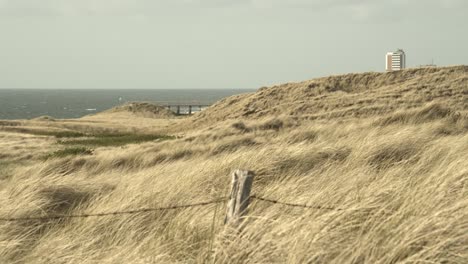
(398,176)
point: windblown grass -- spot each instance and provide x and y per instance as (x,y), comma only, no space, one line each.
(45,132)
(71,151)
(91,139)
(5,170)
(106,140)
(402,188)
(398,178)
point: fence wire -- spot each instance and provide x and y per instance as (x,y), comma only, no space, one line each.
(317,207)
(175,207)
(143,210)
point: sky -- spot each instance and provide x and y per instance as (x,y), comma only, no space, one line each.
(218,44)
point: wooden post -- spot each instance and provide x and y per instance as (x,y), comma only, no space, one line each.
(239,199)
(189,109)
(178,109)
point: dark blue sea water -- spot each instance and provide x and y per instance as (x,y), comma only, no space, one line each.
(31,103)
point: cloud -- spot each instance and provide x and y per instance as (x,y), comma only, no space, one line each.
(357,8)
(306,3)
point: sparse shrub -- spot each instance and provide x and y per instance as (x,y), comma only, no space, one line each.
(190,139)
(303,136)
(123,163)
(157,159)
(273,124)
(241,126)
(233,145)
(61,199)
(72,151)
(180,154)
(5,170)
(392,154)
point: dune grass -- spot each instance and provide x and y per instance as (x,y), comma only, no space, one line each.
(63,134)
(70,151)
(44,132)
(395,167)
(5,169)
(402,187)
(68,137)
(94,138)
(107,140)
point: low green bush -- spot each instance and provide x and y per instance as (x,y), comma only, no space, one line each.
(57,134)
(108,140)
(72,151)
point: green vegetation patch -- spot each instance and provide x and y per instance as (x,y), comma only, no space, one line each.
(99,139)
(71,151)
(51,133)
(108,140)
(5,169)
(64,134)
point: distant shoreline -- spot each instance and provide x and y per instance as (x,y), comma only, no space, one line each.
(75,103)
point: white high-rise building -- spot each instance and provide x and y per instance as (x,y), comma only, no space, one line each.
(395,61)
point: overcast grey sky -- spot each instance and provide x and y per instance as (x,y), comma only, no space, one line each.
(218,43)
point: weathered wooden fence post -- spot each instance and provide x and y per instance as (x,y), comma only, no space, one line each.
(239,198)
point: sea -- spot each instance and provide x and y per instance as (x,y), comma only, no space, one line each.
(76,103)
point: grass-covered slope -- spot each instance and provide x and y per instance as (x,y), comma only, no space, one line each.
(350,95)
(399,181)
(139,109)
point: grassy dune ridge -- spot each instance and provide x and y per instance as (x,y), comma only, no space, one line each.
(351,95)
(401,177)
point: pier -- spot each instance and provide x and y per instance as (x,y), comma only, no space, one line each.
(186,109)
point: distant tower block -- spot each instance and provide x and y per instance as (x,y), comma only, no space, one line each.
(395,61)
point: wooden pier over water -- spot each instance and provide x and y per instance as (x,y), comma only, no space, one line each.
(186,108)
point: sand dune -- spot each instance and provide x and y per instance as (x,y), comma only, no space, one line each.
(350,95)
(389,150)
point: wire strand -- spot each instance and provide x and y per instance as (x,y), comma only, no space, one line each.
(144,210)
(317,207)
